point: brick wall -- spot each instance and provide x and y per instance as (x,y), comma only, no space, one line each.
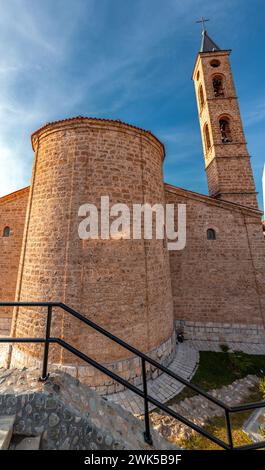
(220,283)
(12,214)
(122,285)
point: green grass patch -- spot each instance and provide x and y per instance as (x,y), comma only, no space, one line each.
(217,369)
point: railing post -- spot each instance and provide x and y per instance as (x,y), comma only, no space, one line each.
(147,434)
(45,374)
(228,429)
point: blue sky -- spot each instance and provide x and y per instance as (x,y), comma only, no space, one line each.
(128,60)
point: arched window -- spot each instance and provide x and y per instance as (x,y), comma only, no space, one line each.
(218,86)
(201,97)
(226,135)
(211,234)
(6,232)
(207,137)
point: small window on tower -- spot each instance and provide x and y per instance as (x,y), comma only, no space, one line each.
(207,137)
(198,75)
(218,88)
(201,96)
(211,234)
(6,232)
(225,130)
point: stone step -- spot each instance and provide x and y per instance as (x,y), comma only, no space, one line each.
(29,443)
(6,431)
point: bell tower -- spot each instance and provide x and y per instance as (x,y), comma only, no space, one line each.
(227,160)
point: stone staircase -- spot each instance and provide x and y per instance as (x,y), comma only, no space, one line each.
(64,414)
(9,441)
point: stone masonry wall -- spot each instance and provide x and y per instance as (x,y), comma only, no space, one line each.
(69,415)
(130,369)
(123,285)
(219,285)
(12,214)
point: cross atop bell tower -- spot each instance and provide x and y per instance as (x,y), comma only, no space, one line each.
(202,20)
(227,160)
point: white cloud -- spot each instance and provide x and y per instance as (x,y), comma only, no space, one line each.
(14,172)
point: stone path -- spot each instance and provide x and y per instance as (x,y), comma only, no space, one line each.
(185,364)
(163,388)
(247,348)
(199,410)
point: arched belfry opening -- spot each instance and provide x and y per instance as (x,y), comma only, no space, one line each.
(218,86)
(225,129)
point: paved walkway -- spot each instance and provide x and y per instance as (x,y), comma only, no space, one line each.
(163,388)
(247,348)
(185,364)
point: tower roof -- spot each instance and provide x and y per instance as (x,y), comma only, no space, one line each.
(208,45)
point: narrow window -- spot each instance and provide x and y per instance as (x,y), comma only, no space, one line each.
(218,87)
(211,234)
(207,137)
(226,136)
(201,96)
(6,232)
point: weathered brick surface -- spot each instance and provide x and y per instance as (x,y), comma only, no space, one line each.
(228,166)
(217,283)
(123,285)
(12,214)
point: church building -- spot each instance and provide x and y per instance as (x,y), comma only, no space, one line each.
(213,289)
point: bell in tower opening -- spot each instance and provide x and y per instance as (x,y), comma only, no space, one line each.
(225,131)
(218,86)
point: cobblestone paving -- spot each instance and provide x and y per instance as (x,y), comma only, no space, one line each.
(185,364)
(247,348)
(163,388)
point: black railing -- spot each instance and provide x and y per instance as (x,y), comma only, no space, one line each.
(228,410)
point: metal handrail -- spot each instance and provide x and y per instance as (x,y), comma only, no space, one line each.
(144,359)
